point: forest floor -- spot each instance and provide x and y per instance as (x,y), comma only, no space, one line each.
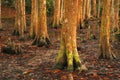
(36,63)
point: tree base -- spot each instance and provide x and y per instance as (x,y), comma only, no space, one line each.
(16,33)
(42,42)
(110,56)
(70,61)
(11,48)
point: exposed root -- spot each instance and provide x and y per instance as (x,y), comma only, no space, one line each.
(41,42)
(11,48)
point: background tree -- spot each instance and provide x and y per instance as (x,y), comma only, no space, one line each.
(117,14)
(34,18)
(20,20)
(41,37)
(56,20)
(105,46)
(93,8)
(68,54)
(80,13)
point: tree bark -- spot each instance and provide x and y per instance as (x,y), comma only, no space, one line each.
(93,7)
(105,46)
(34,18)
(116,14)
(41,37)
(68,54)
(56,20)
(20,19)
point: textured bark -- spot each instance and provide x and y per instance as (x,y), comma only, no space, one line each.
(0,17)
(105,46)
(68,55)
(88,9)
(80,13)
(20,20)
(117,14)
(56,20)
(41,37)
(93,8)
(98,9)
(34,18)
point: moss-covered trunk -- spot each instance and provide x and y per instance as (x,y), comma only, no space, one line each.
(41,37)
(68,56)
(105,46)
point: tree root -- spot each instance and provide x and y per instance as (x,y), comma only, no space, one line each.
(42,42)
(11,48)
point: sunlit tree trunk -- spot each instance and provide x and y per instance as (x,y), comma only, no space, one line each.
(105,46)
(68,54)
(80,13)
(34,18)
(61,11)
(98,9)
(0,16)
(93,8)
(88,9)
(116,14)
(112,15)
(56,20)
(20,20)
(41,37)
(84,9)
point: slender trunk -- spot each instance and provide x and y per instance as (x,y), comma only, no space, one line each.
(56,20)
(98,9)
(88,9)
(116,14)
(80,13)
(93,11)
(34,18)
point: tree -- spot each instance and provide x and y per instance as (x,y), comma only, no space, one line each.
(93,8)
(68,54)
(34,18)
(105,46)
(80,13)
(41,37)
(0,16)
(56,20)
(20,19)
(117,14)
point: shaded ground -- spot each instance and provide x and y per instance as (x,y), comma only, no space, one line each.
(36,63)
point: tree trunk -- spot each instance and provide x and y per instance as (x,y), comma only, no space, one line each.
(20,20)
(105,46)
(93,7)
(80,13)
(41,37)
(116,14)
(88,9)
(34,18)
(98,9)
(0,17)
(68,55)
(56,20)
